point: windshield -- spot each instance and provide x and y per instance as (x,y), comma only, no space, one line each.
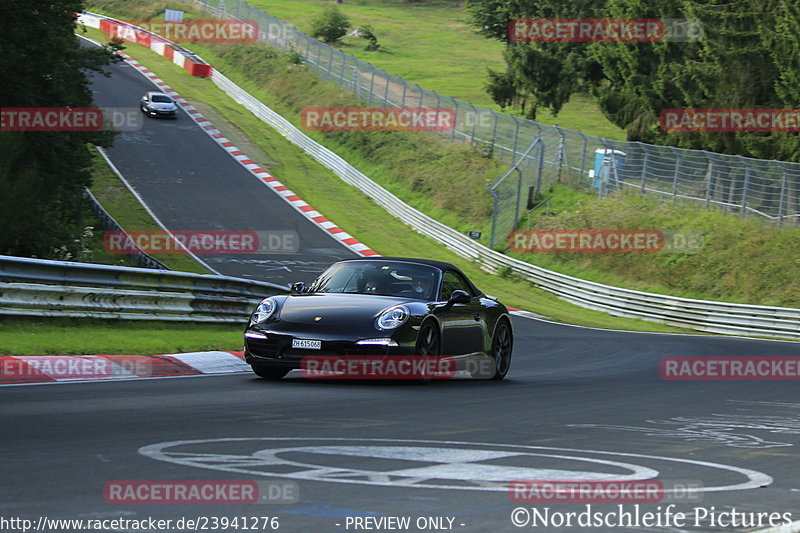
(161,99)
(389,278)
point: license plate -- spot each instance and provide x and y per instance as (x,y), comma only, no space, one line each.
(306,344)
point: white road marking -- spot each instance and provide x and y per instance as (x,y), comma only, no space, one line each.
(455,461)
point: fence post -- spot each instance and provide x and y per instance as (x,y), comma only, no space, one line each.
(455,125)
(516,139)
(494,132)
(371,85)
(494,216)
(356,78)
(421,95)
(601,190)
(710,178)
(675,175)
(319,56)
(519,197)
(540,168)
(560,153)
(782,201)
(583,154)
(344,65)
(475,119)
(330,63)
(644,168)
(405,88)
(386,92)
(746,189)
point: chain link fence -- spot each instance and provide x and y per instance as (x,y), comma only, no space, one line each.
(538,154)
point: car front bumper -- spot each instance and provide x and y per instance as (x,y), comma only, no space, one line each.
(276,348)
(161,113)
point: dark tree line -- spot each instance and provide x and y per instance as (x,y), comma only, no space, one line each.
(42,174)
(748,57)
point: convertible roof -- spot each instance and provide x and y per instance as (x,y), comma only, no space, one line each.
(431,262)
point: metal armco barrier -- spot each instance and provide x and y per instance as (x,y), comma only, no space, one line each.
(37,287)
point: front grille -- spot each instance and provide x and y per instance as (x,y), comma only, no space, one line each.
(280,347)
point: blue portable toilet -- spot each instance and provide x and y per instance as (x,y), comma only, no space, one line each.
(603,172)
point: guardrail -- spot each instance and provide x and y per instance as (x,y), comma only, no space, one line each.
(701,315)
(38,287)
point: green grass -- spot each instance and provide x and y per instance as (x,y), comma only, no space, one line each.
(429,44)
(743,260)
(68,336)
(339,201)
(120,204)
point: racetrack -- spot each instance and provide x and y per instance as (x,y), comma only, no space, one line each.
(583,395)
(579,403)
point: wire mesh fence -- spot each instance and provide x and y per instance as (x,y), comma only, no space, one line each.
(538,154)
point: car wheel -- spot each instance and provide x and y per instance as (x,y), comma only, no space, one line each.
(428,340)
(502,345)
(270,372)
(428,347)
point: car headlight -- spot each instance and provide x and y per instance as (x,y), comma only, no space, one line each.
(264,311)
(393,317)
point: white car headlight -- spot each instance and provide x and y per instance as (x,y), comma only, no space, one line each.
(393,317)
(264,310)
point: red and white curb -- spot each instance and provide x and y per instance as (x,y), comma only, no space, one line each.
(24,369)
(158,44)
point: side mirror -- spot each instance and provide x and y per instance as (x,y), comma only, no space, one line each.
(459,297)
(298,288)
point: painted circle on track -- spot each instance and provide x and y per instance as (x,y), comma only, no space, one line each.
(430,464)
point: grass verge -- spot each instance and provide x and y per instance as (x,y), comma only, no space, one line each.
(75,336)
(740,260)
(117,200)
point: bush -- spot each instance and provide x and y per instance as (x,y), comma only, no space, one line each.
(331,25)
(368,34)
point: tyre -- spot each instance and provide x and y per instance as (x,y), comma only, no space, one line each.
(429,344)
(502,346)
(428,340)
(270,372)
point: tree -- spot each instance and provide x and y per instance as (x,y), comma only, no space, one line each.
(747,58)
(42,174)
(369,34)
(331,25)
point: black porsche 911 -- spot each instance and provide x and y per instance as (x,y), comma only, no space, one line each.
(382,307)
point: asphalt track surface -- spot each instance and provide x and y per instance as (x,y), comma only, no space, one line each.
(578,403)
(583,395)
(191,183)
